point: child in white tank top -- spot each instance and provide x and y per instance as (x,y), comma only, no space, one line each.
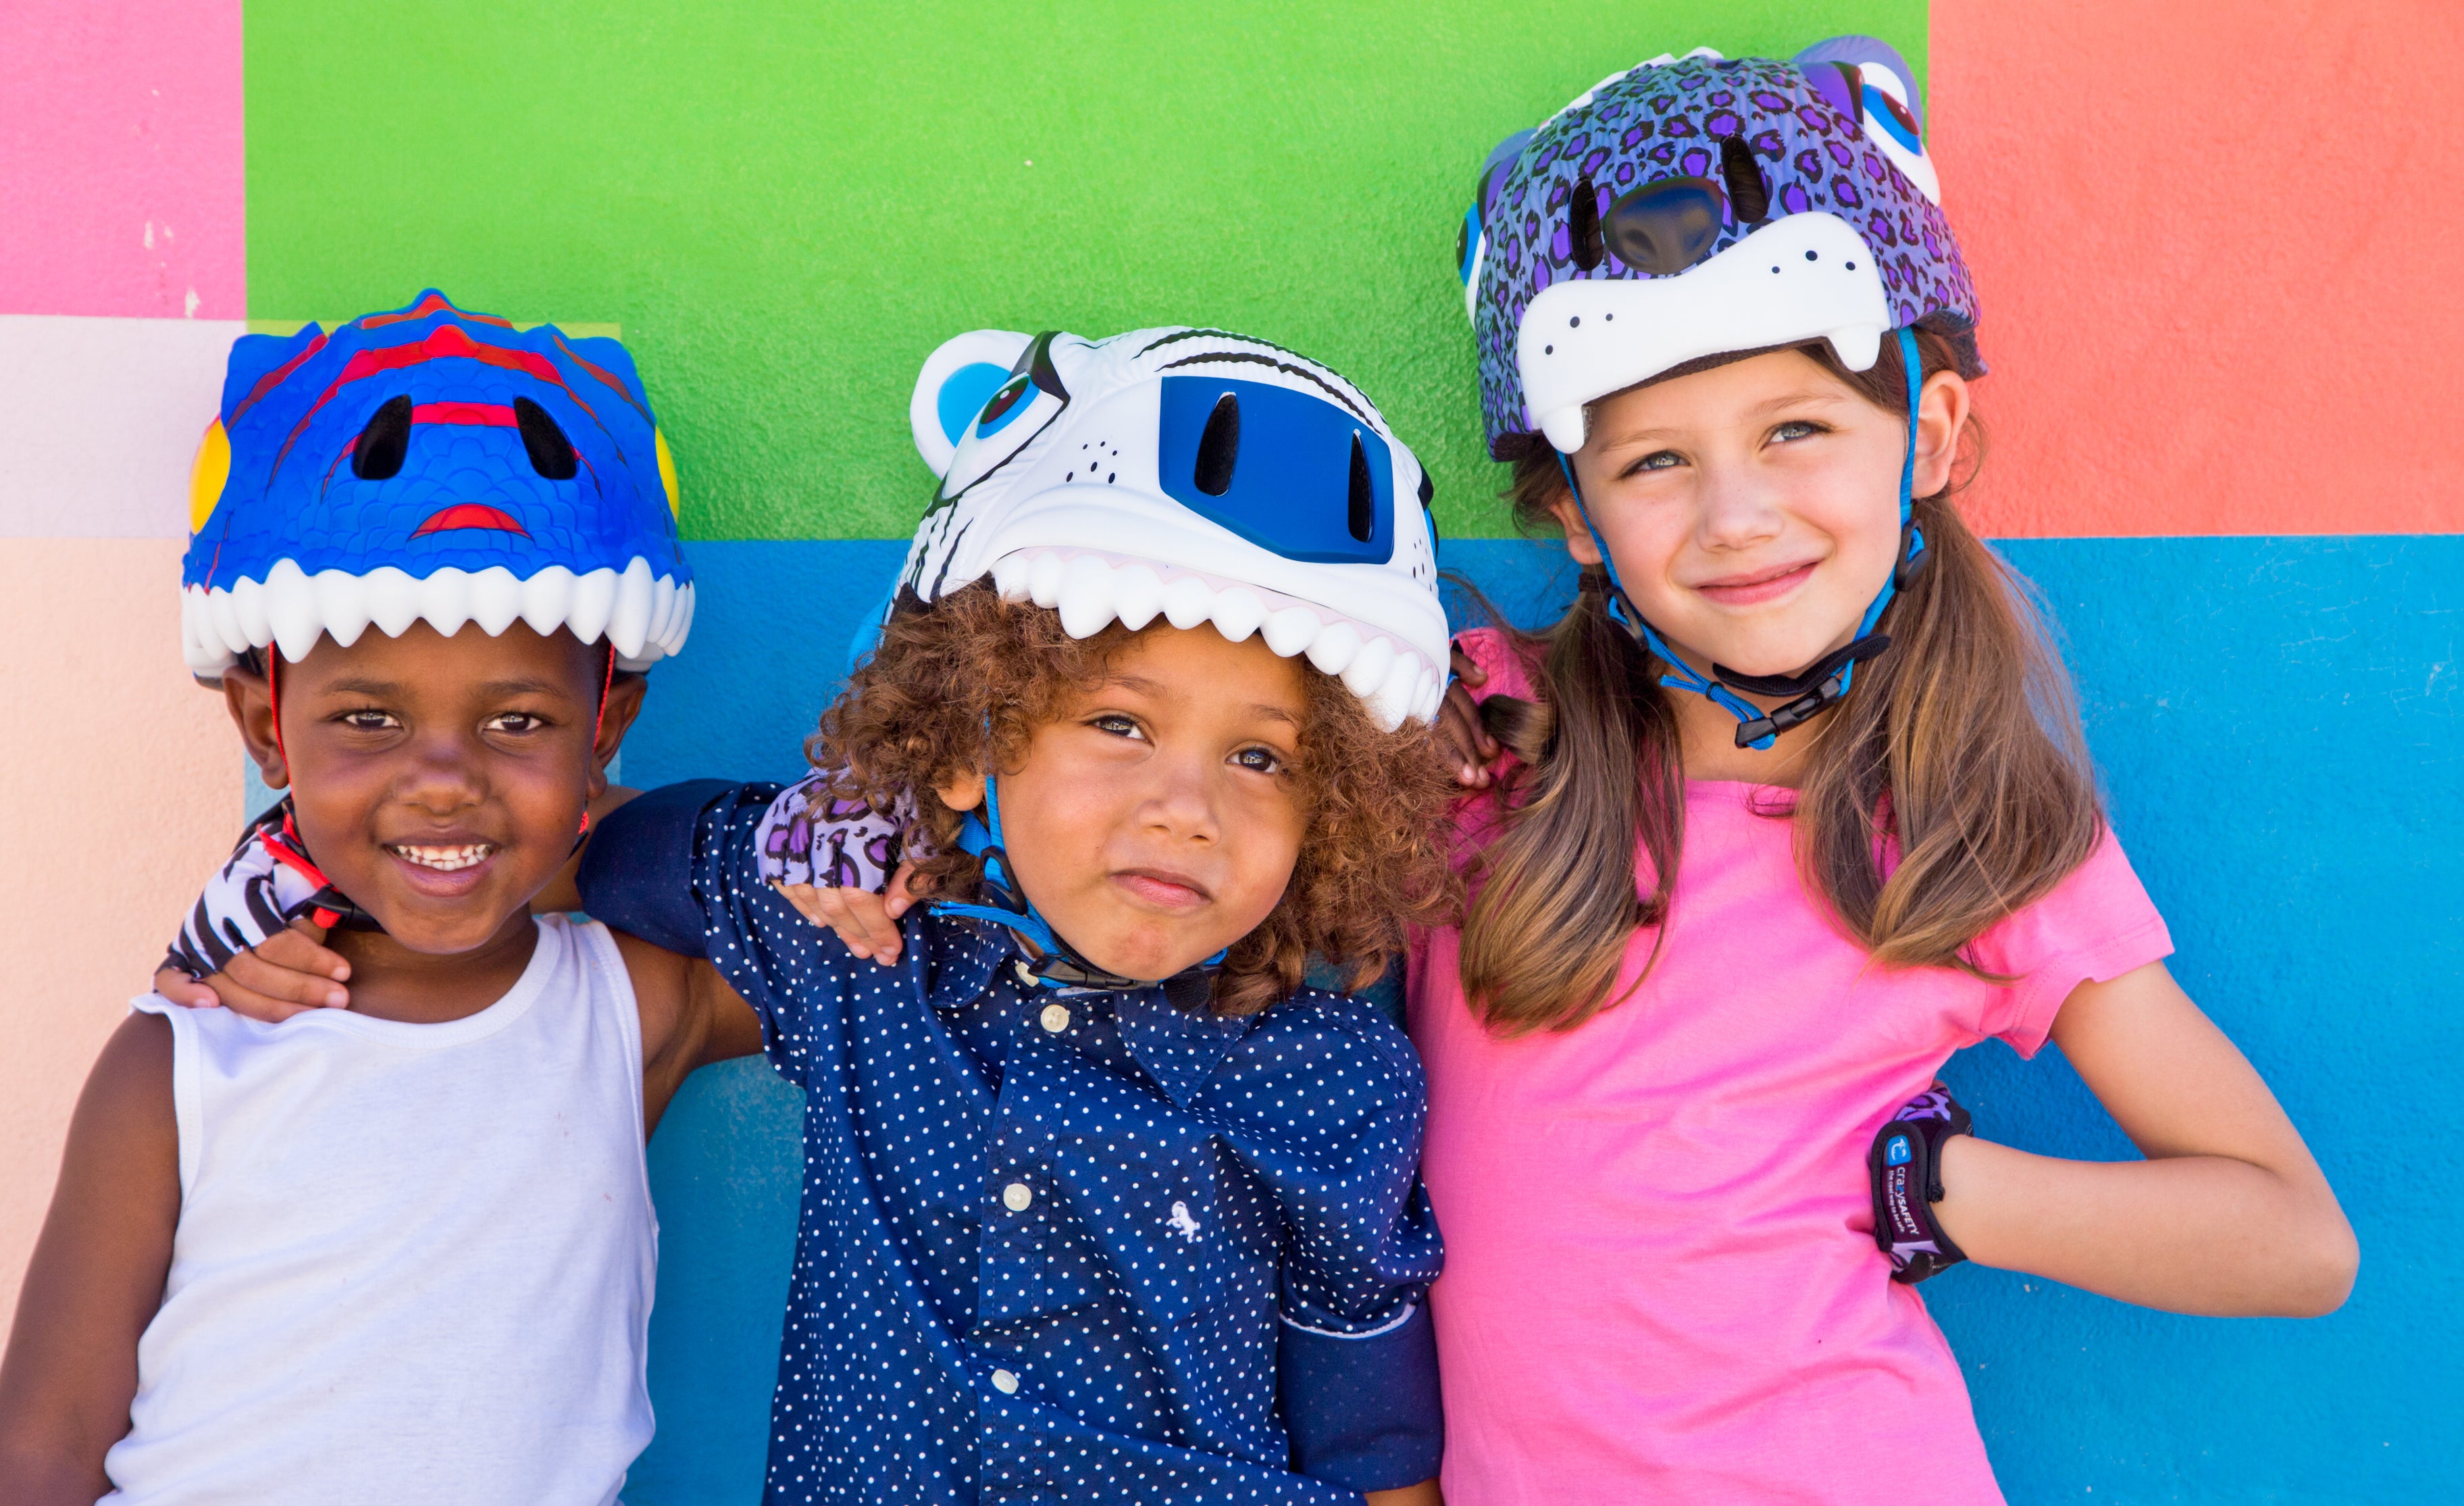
(402,1253)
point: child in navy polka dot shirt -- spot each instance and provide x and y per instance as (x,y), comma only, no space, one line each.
(1101,1201)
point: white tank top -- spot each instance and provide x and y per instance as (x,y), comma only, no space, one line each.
(414,1262)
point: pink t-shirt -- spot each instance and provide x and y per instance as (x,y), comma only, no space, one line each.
(1660,1279)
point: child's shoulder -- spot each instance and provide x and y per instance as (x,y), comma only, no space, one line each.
(1342,1044)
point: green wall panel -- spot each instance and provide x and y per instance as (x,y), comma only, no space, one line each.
(787,207)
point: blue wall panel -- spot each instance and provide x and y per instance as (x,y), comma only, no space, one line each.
(2276,720)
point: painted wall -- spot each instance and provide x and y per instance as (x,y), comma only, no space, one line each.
(2212,301)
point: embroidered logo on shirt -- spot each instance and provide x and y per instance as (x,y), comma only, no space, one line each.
(1186,1222)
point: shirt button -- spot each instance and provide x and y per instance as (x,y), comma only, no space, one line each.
(1056,1018)
(1005,1382)
(1017,1196)
(1024,976)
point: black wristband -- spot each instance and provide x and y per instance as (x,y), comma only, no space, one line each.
(1904,1167)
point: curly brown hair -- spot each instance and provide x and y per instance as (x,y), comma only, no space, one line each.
(961,685)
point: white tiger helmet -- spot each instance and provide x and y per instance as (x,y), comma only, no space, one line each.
(1191,474)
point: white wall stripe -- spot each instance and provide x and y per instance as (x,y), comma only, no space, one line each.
(99,419)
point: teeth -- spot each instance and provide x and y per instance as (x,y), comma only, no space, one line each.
(222,619)
(663,610)
(1009,576)
(496,599)
(684,618)
(444,860)
(1085,599)
(1043,581)
(1238,613)
(1188,602)
(392,599)
(547,598)
(1366,674)
(1291,629)
(1137,595)
(1332,648)
(631,622)
(291,609)
(594,597)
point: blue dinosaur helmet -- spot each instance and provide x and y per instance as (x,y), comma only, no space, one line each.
(1192,474)
(429,464)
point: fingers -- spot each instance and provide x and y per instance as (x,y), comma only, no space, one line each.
(1467,668)
(899,897)
(185,991)
(272,974)
(1465,739)
(860,919)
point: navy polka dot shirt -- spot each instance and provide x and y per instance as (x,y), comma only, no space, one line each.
(1061,1246)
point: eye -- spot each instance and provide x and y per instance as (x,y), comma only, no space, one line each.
(1657,460)
(1118,725)
(368,719)
(1797,429)
(1020,409)
(1259,761)
(515,723)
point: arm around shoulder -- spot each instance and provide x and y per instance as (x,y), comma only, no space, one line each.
(97,1275)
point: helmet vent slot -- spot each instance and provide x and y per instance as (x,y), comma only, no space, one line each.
(1749,190)
(551,454)
(1363,515)
(1218,448)
(1583,224)
(377,455)
(1666,226)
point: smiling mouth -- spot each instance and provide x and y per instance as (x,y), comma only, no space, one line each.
(1758,585)
(444,859)
(1169,891)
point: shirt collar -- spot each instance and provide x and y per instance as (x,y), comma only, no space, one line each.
(1177,1048)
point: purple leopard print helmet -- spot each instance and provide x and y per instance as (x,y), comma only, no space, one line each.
(1694,207)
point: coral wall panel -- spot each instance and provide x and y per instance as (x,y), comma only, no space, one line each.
(2217,255)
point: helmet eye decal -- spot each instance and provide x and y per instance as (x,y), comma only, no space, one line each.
(1219,447)
(1666,225)
(377,453)
(1749,190)
(1315,484)
(1583,224)
(552,455)
(1020,409)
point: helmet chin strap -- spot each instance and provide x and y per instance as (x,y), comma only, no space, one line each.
(1811,690)
(1058,964)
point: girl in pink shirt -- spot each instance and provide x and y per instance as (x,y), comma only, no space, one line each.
(1792,804)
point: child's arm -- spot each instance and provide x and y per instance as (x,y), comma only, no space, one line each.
(96,1278)
(2227,1215)
(690,1018)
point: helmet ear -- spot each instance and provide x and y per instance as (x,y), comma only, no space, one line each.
(952,388)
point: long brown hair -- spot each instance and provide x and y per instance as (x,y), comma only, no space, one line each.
(1961,745)
(959,688)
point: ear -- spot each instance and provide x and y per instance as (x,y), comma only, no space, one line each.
(251,703)
(952,388)
(1578,535)
(963,793)
(1941,417)
(624,695)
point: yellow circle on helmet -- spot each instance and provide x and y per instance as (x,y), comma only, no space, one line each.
(667,472)
(211,468)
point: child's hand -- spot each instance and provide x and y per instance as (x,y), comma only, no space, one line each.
(1460,731)
(866,921)
(285,974)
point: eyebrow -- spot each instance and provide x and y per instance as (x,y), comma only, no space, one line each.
(1147,687)
(492,689)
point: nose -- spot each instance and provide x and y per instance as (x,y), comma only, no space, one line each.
(443,775)
(1737,513)
(1179,803)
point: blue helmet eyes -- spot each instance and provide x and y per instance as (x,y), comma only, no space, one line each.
(1004,406)
(1893,117)
(1289,472)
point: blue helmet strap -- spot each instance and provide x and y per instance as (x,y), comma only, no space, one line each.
(1058,964)
(1811,690)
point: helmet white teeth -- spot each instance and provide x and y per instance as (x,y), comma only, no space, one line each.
(1190,474)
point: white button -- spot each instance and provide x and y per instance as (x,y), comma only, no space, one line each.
(1005,1382)
(1056,1018)
(1017,1196)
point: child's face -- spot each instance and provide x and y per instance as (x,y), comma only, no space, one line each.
(439,781)
(1153,822)
(1752,509)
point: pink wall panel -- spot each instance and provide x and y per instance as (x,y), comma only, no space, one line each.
(120,169)
(2222,285)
